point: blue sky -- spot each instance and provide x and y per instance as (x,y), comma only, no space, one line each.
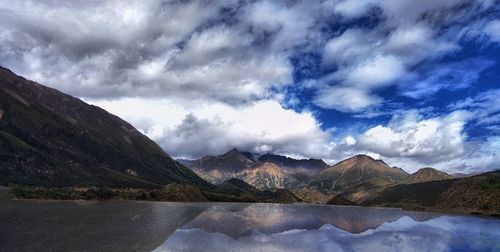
(413,82)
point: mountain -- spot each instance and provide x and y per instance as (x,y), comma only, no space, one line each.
(463,175)
(360,170)
(231,161)
(424,175)
(268,171)
(476,194)
(309,166)
(238,190)
(48,138)
(267,176)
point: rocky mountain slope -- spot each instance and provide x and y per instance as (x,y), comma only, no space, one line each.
(424,175)
(308,166)
(355,173)
(48,138)
(279,172)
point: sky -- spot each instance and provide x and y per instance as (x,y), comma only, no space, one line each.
(413,82)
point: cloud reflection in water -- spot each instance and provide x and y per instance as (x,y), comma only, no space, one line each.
(300,227)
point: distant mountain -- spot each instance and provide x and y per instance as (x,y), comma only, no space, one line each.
(231,161)
(268,171)
(48,138)
(267,176)
(476,194)
(424,175)
(463,175)
(309,166)
(360,170)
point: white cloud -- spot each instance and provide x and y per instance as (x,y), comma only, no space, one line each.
(483,106)
(212,128)
(492,29)
(353,8)
(346,99)
(408,34)
(426,140)
(376,72)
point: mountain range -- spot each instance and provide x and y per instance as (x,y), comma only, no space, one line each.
(50,140)
(268,171)
(359,180)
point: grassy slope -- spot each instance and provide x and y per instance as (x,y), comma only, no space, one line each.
(477,194)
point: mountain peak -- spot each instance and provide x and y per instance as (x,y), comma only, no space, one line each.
(355,170)
(232,151)
(426,174)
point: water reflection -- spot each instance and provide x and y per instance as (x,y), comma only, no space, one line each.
(90,226)
(301,227)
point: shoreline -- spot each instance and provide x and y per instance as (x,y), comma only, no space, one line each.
(7,193)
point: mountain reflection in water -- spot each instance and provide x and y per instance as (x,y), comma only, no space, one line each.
(303,227)
(161,226)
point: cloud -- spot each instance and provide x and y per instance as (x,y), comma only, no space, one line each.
(346,99)
(484,107)
(426,140)
(411,141)
(202,77)
(390,51)
(402,234)
(492,29)
(146,49)
(212,128)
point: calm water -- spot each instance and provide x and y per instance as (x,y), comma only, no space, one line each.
(148,226)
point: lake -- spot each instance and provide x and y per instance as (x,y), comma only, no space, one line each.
(162,226)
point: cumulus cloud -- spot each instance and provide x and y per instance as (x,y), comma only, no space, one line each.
(409,135)
(411,140)
(408,33)
(212,128)
(138,49)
